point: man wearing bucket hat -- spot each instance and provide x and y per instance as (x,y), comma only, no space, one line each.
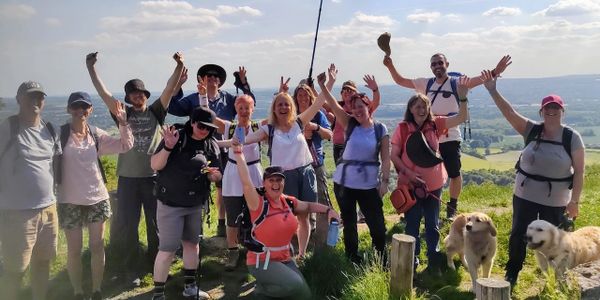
(441,90)
(211,78)
(28,222)
(136,177)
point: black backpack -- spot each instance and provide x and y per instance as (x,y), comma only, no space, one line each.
(535,135)
(65,132)
(246,226)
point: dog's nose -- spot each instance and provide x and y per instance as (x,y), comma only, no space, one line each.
(528,238)
(469,227)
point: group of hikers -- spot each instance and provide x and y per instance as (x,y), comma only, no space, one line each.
(168,170)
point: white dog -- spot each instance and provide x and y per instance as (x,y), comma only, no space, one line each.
(473,237)
(560,249)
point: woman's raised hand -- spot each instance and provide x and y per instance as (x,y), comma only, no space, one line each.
(321,79)
(370,82)
(463,87)
(283,86)
(170,136)
(489,81)
(121,114)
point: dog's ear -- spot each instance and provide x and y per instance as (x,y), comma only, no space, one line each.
(460,222)
(556,235)
(493,231)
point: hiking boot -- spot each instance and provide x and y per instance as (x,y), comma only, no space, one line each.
(451,210)
(233,257)
(191,290)
(221,231)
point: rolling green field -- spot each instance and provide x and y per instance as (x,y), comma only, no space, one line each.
(507,160)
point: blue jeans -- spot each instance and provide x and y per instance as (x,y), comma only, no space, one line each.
(430,209)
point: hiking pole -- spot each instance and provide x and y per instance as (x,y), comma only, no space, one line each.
(312,60)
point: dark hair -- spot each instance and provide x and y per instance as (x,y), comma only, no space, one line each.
(408,116)
(308,90)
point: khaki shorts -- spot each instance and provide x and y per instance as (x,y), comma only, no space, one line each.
(28,235)
(72,216)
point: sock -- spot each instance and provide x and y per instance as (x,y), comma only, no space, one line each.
(453,202)
(189,276)
(159,289)
(221,222)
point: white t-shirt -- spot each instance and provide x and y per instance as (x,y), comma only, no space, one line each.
(289,149)
(232,185)
(442,106)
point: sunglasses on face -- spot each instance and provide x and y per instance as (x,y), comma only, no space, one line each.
(437,63)
(212,75)
(358,96)
(202,126)
(347,90)
(80,105)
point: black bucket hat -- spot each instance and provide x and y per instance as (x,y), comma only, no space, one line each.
(212,69)
(419,151)
(135,85)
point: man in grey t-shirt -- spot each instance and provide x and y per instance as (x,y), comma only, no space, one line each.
(28,220)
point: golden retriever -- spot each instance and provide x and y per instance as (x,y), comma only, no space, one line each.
(473,237)
(560,249)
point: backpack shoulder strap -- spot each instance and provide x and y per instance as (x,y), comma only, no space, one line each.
(453,86)
(349,128)
(378,136)
(65,132)
(263,213)
(403,126)
(429,84)
(567,137)
(290,203)
(270,141)
(93,130)
(231,131)
(254,125)
(534,133)
(13,128)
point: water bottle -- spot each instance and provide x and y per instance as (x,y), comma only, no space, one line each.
(333,233)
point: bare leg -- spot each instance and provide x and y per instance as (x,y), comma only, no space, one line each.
(455,187)
(40,272)
(232,236)
(487,268)
(220,204)
(190,255)
(96,241)
(74,244)
(161,265)
(303,233)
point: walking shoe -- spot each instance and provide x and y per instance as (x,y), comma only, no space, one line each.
(221,232)
(191,290)
(451,210)
(233,257)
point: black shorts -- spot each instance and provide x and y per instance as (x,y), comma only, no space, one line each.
(451,154)
(233,208)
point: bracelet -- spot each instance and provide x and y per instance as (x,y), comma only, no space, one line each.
(493,73)
(167,148)
(318,128)
(463,100)
(124,124)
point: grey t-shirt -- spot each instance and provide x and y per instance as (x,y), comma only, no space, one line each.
(548,160)
(26,175)
(146,137)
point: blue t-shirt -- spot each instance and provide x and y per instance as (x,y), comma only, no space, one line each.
(361,146)
(317,141)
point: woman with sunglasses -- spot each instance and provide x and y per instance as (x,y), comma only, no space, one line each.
(357,178)
(187,161)
(418,117)
(315,132)
(549,179)
(276,272)
(288,149)
(83,197)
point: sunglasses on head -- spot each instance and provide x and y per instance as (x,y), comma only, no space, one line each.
(437,63)
(80,105)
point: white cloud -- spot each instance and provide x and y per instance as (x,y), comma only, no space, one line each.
(502,11)
(230,10)
(565,8)
(16,12)
(423,17)
(453,17)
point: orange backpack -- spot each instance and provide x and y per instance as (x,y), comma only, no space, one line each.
(402,198)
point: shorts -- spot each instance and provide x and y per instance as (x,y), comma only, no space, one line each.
(301,183)
(72,216)
(233,208)
(224,157)
(450,152)
(27,235)
(176,224)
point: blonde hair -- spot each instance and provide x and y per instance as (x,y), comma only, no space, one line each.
(408,116)
(291,116)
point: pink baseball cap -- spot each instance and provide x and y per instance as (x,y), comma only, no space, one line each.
(553,99)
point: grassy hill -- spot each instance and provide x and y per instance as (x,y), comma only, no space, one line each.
(330,275)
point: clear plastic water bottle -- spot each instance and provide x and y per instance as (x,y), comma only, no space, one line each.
(333,233)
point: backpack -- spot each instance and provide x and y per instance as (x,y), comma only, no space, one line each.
(535,135)
(65,132)
(253,124)
(247,227)
(161,121)
(453,85)
(271,134)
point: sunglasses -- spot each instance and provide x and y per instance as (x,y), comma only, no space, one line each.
(212,75)
(201,126)
(347,90)
(79,105)
(358,96)
(437,63)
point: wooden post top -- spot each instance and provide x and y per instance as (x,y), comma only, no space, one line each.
(404,238)
(493,282)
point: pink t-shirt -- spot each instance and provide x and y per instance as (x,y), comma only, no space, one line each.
(436,176)
(82,182)
(276,230)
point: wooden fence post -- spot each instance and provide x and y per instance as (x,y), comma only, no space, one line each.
(492,289)
(401,269)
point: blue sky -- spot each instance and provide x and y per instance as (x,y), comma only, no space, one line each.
(47,40)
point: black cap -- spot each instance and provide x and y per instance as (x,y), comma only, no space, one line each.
(203,115)
(212,69)
(135,85)
(79,97)
(273,171)
(419,152)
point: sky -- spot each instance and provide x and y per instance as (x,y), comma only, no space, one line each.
(47,41)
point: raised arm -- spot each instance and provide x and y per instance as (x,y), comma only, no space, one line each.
(250,194)
(405,82)
(497,71)
(158,161)
(331,76)
(463,112)
(111,145)
(173,81)
(338,111)
(313,109)
(372,85)
(107,97)
(516,120)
